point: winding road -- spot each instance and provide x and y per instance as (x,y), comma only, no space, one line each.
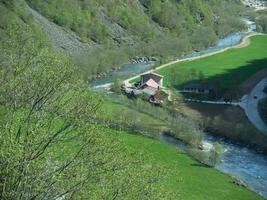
(250,104)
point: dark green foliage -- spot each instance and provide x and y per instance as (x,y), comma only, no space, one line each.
(87,18)
(117,86)
(262,22)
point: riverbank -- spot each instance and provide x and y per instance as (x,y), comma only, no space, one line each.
(229,164)
(187,178)
(244,43)
(230,122)
(157,124)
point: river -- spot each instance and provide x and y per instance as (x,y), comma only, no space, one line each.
(130,70)
(239,161)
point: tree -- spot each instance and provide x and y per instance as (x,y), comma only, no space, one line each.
(215,154)
(201,76)
(46,106)
(117,86)
(50,144)
(262,23)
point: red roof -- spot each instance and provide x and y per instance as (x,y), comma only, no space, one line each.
(159,97)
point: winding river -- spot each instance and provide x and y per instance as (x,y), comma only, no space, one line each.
(239,161)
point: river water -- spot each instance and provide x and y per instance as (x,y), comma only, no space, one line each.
(238,161)
(241,162)
(130,70)
(123,73)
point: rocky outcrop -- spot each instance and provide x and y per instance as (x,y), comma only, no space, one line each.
(144,59)
(62,39)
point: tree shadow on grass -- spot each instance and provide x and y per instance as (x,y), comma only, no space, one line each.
(241,79)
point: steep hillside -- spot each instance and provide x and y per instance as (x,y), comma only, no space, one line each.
(139,20)
(124,29)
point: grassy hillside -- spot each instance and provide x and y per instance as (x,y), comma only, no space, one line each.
(52,143)
(228,69)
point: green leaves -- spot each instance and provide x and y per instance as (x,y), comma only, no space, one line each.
(50,144)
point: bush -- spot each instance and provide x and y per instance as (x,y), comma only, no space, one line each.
(215,154)
(116,87)
(262,23)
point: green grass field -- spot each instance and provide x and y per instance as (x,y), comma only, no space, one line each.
(190,179)
(115,111)
(231,68)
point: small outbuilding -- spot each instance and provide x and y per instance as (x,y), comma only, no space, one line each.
(197,88)
(158,98)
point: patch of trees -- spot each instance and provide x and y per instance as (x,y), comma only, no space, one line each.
(233,124)
(261,21)
(184,128)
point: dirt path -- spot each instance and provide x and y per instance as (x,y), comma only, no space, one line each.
(245,42)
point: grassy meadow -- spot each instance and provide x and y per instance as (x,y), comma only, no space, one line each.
(230,68)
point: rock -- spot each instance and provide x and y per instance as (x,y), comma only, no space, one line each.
(239,182)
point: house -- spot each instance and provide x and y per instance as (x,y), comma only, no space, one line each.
(150,91)
(158,98)
(151,75)
(150,83)
(197,88)
(150,88)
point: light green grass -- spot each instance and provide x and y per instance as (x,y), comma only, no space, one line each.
(112,110)
(190,179)
(231,67)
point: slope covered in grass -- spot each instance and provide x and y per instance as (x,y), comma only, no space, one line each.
(187,177)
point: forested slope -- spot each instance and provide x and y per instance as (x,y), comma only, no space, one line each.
(121,30)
